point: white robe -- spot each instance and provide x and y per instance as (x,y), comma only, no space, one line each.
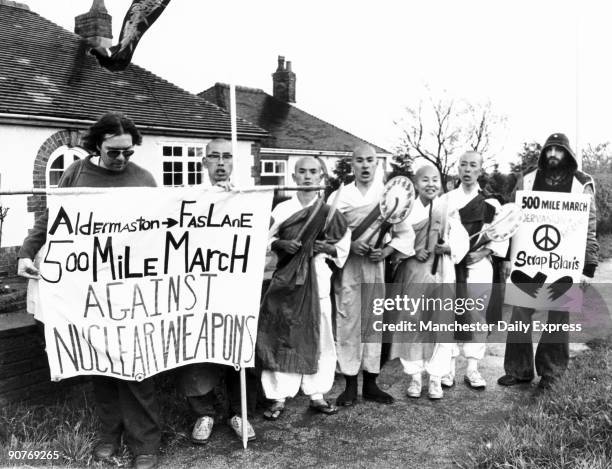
(434,358)
(358,273)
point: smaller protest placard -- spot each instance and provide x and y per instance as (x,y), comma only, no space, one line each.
(547,254)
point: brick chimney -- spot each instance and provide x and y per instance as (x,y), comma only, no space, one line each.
(283,81)
(96,26)
(10,3)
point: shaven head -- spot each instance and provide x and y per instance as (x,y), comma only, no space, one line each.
(364,164)
(219,160)
(427,183)
(470,167)
(426,170)
(308,171)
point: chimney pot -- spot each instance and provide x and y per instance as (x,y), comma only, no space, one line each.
(283,81)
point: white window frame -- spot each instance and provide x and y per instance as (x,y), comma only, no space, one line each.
(199,150)
(275,171)
(69,154)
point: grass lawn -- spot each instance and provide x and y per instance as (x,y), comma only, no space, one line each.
(569,426)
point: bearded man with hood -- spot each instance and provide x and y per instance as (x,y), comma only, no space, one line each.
(557,171)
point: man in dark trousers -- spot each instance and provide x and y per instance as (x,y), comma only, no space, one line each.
(124,407)
(557,171)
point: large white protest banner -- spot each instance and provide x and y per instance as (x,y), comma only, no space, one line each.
(136,281)
(547,254)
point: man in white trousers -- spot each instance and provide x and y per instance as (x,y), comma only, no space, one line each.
(295,339)
(475,272)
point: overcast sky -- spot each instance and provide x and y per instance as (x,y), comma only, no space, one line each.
(543,64)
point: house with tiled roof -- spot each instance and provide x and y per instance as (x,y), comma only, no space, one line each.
(51,89)
(292,132)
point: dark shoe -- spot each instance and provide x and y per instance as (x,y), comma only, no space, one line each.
(145,461)
(323,407)
(546,382)
(349,395)
(104,450)
(509,380)
(371,391)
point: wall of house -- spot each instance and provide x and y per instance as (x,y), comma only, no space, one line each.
(20,146)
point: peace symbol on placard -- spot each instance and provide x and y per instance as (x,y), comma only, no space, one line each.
(546,237)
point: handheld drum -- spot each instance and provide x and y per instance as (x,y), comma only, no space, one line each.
(504,225)
(395,205)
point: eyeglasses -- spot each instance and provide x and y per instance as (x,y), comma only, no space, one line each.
(216,156)
(115,153)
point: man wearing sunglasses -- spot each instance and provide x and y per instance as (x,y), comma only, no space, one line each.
(125,408)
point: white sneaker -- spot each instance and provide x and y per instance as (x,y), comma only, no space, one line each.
(202,430)
(236,423)
(435,389)
(448,381)
(474,380)
(414,388)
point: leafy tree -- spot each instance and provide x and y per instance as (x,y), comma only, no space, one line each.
(597,161)
(343,174)
(401,165)
(527,157)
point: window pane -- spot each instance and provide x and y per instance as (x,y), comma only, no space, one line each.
(167,166)
(198,178)
(167,179)
(178,179)
(54,177)
(177,151)
(167,151)
(190,151)
(279,167)
(268,167)
(177,167)
(191,166)
(58,163)
(199,152)
(191,179)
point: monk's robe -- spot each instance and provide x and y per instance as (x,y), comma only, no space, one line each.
(289,318)
(425,225)
(477,280)
(358,345)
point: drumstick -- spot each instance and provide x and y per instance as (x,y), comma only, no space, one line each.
(434,266)
(494,223)
(333,207)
